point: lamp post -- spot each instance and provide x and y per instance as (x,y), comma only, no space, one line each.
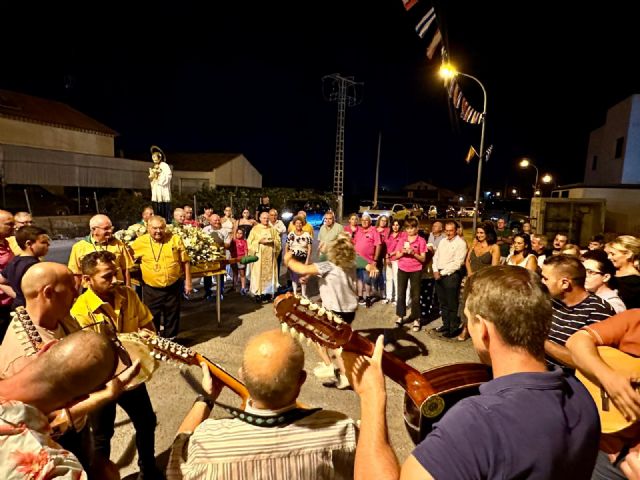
(447,71)
(546,178)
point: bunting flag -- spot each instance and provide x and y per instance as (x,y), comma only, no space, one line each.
(409,3)
(487,154)
(433,46)
(470,154)
(423,25)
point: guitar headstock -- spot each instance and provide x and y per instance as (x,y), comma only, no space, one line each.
(168,351)
(302,318)
(26,331)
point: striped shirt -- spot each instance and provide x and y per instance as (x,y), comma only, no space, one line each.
(568,320)
(320,446)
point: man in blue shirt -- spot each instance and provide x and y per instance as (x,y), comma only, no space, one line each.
(526,423)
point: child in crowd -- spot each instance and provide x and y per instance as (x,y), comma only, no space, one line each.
(239,248)
(34,244)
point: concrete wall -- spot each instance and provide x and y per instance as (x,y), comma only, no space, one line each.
(16,132)
(631,168)
(623,205)
(602,143)
(35,166)
(238,172)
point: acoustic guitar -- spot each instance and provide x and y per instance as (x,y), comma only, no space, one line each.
(428,395)
(611,419)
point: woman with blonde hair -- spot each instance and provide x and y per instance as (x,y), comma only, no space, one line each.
(338,292)
(624,253)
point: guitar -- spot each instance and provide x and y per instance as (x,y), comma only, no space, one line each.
(611,420)
(428,395)
(171,352)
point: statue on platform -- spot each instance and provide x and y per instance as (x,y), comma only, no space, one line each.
(160,179)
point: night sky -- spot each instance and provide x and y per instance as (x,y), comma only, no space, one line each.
(247,78)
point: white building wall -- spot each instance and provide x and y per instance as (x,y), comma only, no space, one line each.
(623,207)
(631,168)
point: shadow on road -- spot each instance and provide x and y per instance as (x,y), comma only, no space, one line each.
(393,336)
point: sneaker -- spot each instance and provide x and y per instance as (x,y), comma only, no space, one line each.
(385,301)
(394,303)
(416,326)
(399,322)
(341,383)
(324,371)
(361,301)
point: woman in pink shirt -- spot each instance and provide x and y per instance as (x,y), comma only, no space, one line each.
(352,227)
(382,227)
(411,253)
(391,263)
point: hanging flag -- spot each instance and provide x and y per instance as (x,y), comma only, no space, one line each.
(487,154)
(433,46)
(470,154)
(425,23)
(409,3)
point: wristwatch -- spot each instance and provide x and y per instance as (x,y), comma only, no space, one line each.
(204,399)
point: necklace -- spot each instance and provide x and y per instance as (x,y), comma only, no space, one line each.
(156,267)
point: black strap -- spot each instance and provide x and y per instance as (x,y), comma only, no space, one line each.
(268,421)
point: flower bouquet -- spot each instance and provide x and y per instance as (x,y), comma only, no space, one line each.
(202,249)
(132,232)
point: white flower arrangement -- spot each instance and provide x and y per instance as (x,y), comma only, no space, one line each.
(132,232)
(200,246)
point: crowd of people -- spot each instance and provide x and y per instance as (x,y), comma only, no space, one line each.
(535,313)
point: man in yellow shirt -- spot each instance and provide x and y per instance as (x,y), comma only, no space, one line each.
(109,305)
(101,238)
(164,261)
(306,226)
(20,219)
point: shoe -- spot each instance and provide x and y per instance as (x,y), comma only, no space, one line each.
(210,298)
(341,383)
(324,371)
(442,329)
(399,322)
(416,326)
(361,301)
(452,333)
(385,301)
(368,302)
(394,303)
(243,291)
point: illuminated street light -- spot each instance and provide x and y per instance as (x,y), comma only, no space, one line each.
(546,178)
(448,72)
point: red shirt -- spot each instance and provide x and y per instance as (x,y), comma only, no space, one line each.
(5,257)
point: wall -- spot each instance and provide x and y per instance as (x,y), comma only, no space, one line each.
(16,132)
(70,226)
(238,172)
(631,168)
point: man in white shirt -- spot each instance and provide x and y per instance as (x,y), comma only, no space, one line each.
(447,264)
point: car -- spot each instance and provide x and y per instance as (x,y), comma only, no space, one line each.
(432,212)
(35,199)
(417,210)
(397,211)
(450,212)
(467,212)
(315,210)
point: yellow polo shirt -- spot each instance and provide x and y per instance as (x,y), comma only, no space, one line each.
(87,245)
(13,245)
(128,315)
(161,263)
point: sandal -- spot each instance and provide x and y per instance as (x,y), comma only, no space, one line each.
(416,326)
(399,322)
(464,335)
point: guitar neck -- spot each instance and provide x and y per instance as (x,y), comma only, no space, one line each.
(235,385)
(410,379)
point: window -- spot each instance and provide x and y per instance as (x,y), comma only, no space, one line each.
(594,163)
(564,194)
(619,145)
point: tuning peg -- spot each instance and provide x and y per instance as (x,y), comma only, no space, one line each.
(309,342)
(321,311)
(339,351)
(301,336)
(337,319)
(284,328)
(293,333)
(304,301)
(313,307)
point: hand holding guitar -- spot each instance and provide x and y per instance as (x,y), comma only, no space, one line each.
(365,373)
(211,386)
(620,389)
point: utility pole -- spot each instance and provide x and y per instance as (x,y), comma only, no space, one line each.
(342,90)
(375,187)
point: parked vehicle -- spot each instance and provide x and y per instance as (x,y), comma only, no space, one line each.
(417,210)
(396,211)
(315,210)
(433,212)
(450,212)
(467,212)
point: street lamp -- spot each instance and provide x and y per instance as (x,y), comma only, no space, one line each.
(546,178)
(448,71)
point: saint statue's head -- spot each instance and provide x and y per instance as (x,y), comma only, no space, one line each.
(157,155)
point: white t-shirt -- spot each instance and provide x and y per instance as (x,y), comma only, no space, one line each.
(337,287)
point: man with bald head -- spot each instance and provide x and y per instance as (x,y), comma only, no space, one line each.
(49,292)
(272,435)
(6,230)
(179,217)
(56,380)
(101,238)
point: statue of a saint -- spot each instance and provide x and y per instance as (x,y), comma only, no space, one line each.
(160,179)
